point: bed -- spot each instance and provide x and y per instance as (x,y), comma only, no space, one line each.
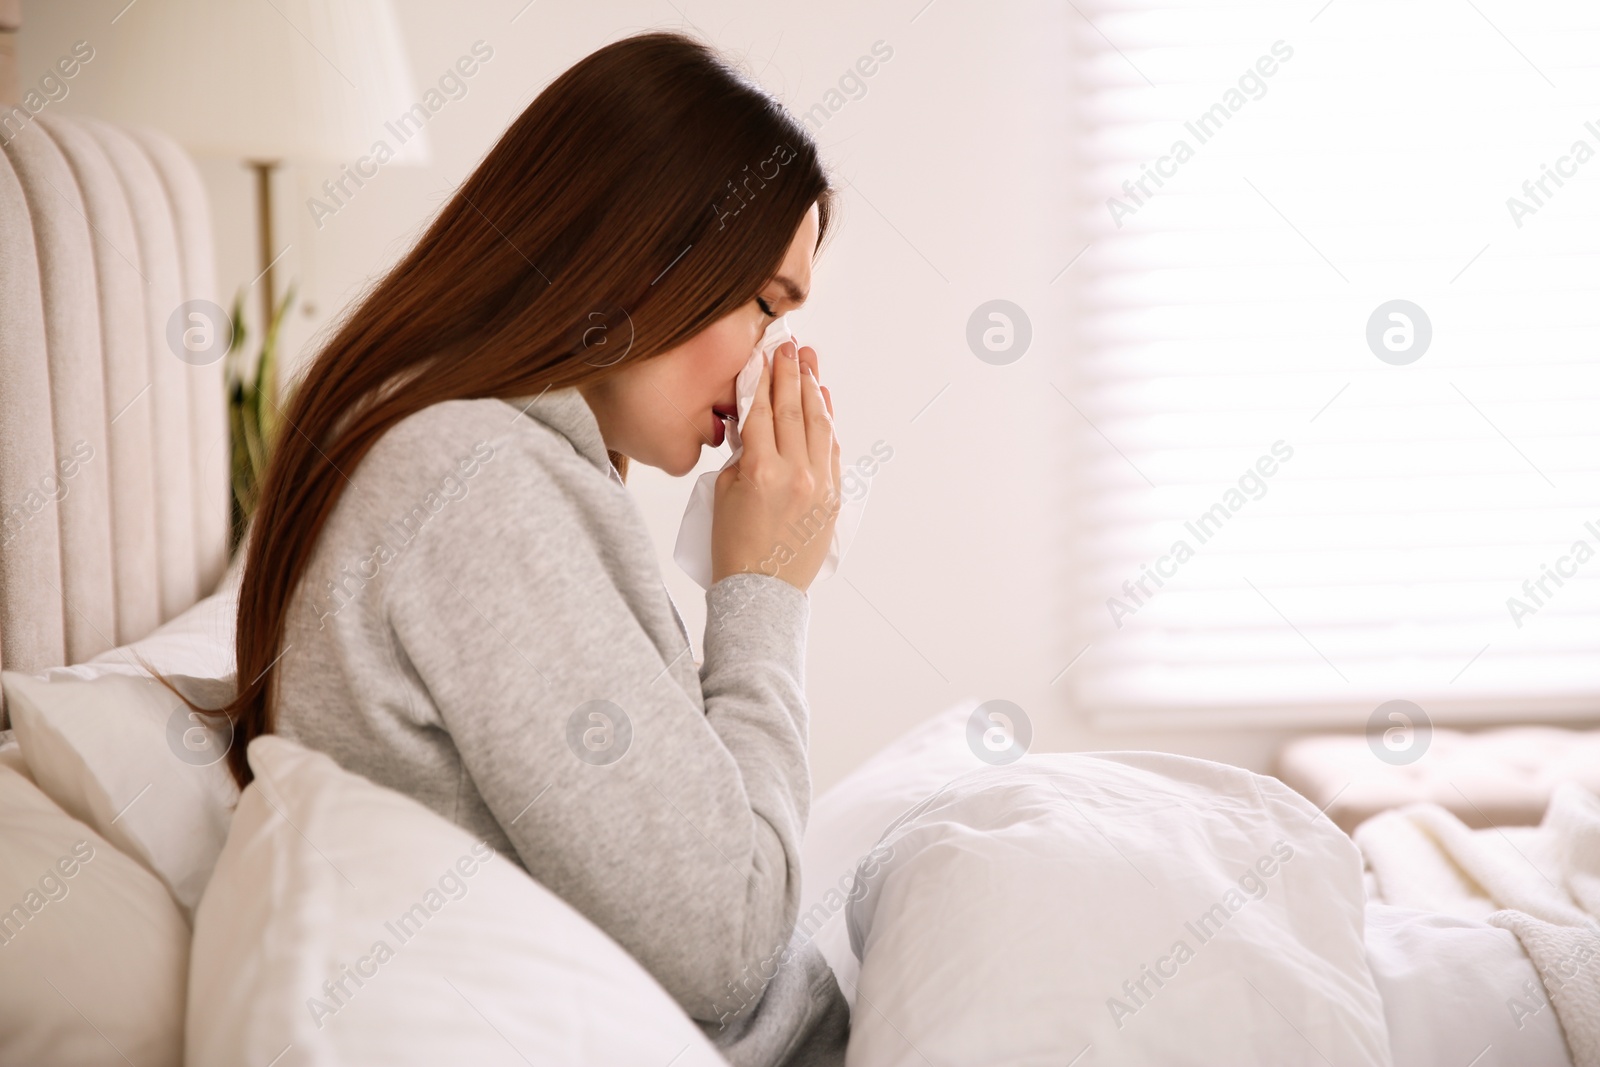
(1024,913)
(114,470)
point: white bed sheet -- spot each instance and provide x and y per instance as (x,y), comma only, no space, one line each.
(1458,991)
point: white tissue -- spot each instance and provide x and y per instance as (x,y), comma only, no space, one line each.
(693,550)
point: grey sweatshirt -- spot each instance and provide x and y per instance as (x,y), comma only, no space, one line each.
(483,627)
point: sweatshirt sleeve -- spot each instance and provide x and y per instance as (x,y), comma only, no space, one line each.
(676,831)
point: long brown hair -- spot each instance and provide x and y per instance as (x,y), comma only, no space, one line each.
(653,184)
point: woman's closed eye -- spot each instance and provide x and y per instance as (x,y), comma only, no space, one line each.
(766,308)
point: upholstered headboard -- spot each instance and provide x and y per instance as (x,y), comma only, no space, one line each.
(114,487)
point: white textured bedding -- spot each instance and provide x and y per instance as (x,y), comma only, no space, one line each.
(1540,884)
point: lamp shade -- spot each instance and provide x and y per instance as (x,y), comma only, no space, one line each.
(265,79)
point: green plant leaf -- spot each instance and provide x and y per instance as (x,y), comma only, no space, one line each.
(252,405)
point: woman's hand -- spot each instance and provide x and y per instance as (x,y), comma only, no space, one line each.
(776,507)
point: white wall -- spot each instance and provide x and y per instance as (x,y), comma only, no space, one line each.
(957,161)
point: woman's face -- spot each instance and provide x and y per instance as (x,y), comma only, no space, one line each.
(662,411)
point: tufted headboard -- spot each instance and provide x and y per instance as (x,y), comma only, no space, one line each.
(114,485)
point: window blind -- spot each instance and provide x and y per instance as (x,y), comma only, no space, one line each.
(1337,385)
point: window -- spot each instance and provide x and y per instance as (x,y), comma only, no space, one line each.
(1339,376)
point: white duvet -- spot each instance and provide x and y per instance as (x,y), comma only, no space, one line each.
(1128,908)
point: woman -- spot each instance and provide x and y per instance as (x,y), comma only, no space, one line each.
(450,591)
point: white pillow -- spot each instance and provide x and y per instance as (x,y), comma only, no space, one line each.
(1033,911)
(197,643)
(93,952)
(847,820)
(431,952)
(122,753)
